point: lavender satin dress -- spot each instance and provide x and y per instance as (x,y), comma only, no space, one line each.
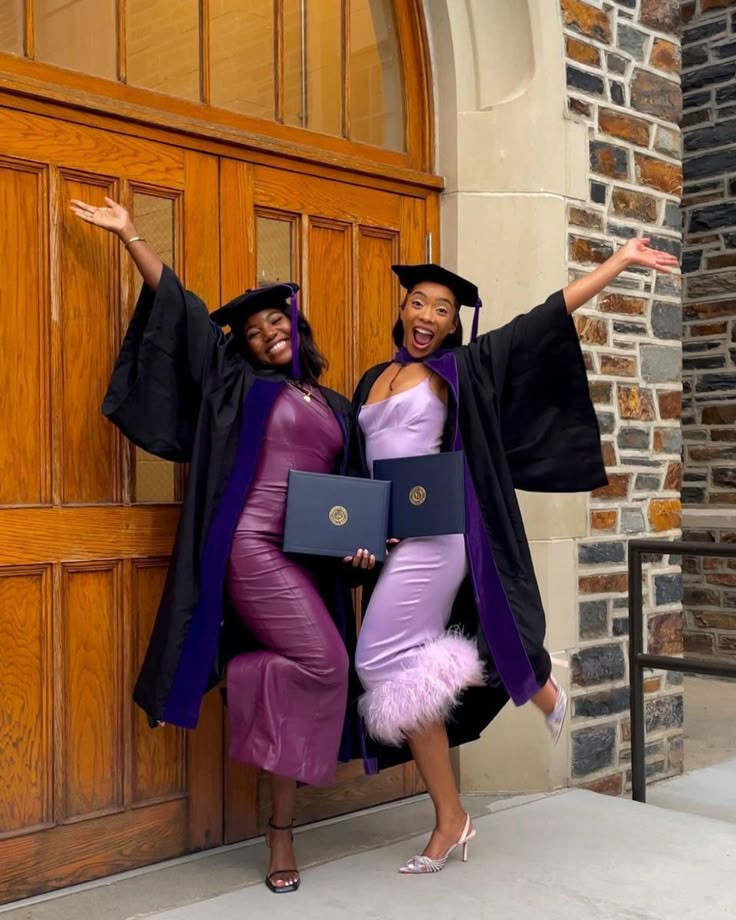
(287,702)
(412,668)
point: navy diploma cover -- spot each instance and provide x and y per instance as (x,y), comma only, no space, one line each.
(330,515)
(427,494)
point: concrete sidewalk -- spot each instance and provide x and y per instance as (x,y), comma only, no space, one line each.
(205,875)
(573,856)
(710,792)
(710,728)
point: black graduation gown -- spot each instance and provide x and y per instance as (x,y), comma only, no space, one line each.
(181,391)
(520,408)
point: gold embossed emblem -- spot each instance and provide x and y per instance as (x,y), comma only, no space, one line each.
(418,495)
(338,515)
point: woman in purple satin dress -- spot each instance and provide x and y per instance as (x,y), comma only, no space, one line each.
(516,401)
(287,697)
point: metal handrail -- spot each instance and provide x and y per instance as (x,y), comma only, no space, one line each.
(639,659)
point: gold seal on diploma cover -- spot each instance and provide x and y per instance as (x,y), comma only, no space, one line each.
(418,495)
(338,515)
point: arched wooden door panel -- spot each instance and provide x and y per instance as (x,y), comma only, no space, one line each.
(87,522)
(326,187)
(87,788)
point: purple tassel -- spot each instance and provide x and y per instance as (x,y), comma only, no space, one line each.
(296,370)
(476,318)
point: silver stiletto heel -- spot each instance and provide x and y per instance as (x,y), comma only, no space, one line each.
(556,719)
(422,865)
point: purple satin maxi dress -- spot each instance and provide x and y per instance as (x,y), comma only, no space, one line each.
(287,701)
(412,668)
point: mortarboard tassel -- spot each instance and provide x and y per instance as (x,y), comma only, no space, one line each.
(476,318)
(296,370)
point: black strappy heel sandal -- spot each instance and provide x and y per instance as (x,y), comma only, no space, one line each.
(287,887)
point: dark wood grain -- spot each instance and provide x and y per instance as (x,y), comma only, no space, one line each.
(378,297)
(25,449)
(87,788)
(158,755)
(25,717)
(352,791)
(75,853)
(329,306)
(92,789)
(242,791)
(67,534)
(92,662)
(82,148)
(86,331)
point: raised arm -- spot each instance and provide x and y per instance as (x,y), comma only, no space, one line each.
(636,252)
(170,350)
(116,219)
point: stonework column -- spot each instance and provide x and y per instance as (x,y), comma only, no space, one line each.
(624,85)
(554,155)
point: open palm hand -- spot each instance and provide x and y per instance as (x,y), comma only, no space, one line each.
(114,217)
(638,252)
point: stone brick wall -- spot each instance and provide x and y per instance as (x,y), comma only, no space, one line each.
(709,262)
(710,596)
(709,266)
(624,84)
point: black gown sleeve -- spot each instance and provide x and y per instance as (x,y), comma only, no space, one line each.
(155,390)
(548,424)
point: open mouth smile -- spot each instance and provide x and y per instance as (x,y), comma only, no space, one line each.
(422,338)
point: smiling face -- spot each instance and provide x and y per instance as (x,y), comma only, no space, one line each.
(428,315)
(268,337)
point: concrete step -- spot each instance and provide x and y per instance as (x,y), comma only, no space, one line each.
(710,792)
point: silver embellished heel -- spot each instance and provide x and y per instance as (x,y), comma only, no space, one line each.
(556,719)
(424,865)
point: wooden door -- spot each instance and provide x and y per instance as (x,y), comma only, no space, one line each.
(86,522)
(338,241)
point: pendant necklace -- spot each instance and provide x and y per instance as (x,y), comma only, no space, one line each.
(307,393)
(393,379)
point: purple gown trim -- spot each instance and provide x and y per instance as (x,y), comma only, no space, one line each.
(200,646)
(495,616)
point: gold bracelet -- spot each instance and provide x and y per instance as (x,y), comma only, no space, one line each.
(134,239)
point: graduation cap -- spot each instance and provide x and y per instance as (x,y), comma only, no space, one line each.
(267,297)
(466,293)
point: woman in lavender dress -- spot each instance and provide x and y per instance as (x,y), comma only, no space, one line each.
(243,409)
(454,626)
